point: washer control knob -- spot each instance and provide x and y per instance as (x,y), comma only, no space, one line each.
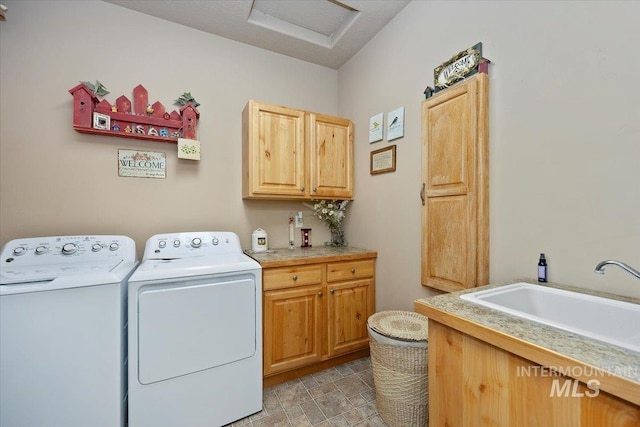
(69,248)
(19,251)
(114,247)
(176,243)
(196,242)
(96,247)
(162,244)
(40,250)
(215,241)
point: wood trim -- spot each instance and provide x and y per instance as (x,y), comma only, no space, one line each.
(482,186)
(315,259)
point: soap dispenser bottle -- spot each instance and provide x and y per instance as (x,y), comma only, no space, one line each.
(542,269)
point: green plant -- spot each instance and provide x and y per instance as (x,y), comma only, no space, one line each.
(185,99)
(98,89)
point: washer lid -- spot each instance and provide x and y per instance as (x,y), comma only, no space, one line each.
(23,279)
(157,269)
(57,262)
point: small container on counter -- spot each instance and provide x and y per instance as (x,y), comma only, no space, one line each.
(259,240)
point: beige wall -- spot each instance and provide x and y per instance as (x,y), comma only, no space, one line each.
(564,131)
(565,137)
(55,181)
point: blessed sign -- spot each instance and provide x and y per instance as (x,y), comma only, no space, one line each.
(142,164)
(459,67)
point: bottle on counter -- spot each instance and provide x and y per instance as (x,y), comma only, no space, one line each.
(542,269)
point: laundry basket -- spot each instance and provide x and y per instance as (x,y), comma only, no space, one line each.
(399,355)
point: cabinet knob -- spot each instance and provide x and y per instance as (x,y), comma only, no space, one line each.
(353,271)
(295,277)
(315,189)
(333,291)
(302,189)
(320,293)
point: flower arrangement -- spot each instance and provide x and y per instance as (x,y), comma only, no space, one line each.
(333,213)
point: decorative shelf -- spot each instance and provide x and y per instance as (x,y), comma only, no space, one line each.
(146,122)
(126,135)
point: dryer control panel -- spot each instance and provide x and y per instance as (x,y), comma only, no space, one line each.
(192,244)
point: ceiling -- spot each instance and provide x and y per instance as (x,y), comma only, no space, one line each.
(324,32)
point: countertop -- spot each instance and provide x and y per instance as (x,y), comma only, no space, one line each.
(617,368)
(280,257)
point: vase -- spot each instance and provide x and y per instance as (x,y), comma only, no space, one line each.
(337,237)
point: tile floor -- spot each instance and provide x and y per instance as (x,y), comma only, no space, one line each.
(336,397)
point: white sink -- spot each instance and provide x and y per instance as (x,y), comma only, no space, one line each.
(612,321)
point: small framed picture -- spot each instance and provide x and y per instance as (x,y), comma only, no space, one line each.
(376,127)
(395,127)
(101,121)
(383,160)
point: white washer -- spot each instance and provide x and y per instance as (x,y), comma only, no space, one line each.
(195,332)
(63,331)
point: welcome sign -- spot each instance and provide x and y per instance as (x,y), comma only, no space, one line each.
(142,164)
(460,66)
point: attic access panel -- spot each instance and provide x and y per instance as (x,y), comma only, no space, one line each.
(319,22)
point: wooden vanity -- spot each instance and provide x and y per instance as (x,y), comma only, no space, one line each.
(488,368)
(316,302)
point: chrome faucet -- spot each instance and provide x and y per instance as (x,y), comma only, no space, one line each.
(600,267)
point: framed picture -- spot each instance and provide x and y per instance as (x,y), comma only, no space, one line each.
(383,160)
(101,121)
(376,127)
(395,127)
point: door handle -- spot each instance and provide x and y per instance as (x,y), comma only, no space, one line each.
(422,193)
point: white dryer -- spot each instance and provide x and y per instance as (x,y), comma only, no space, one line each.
(63,331)
(195,332)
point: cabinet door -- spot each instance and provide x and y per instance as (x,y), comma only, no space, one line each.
(292,328)
(455,179)
(331,156)
(273,152)
(349,305)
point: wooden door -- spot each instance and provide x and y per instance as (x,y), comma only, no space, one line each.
(349,305)
(455,187)
(292,328)
(331,156)
(273,152)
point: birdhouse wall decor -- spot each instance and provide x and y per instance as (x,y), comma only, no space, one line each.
(145,121)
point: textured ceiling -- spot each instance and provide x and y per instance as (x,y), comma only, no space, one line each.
(325,32)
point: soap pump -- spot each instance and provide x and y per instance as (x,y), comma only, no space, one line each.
(542,269)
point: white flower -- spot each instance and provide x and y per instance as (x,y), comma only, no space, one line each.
(331,212)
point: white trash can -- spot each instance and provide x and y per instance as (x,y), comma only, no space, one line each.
(399,359)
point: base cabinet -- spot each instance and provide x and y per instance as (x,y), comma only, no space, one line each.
(315,312)
(479,384)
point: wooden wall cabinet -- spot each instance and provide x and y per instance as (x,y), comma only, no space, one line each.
(479,384)
(455,189)
(314,313)
(295,154)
